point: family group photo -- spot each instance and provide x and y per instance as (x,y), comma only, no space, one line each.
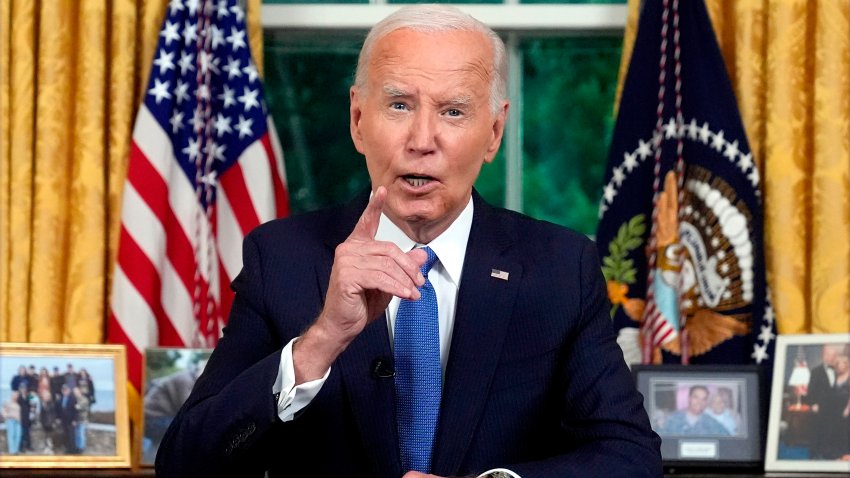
(57,406)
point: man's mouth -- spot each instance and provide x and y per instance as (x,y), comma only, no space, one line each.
(416,180)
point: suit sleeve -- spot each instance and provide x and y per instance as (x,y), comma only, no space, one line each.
(603,419)
(224,427)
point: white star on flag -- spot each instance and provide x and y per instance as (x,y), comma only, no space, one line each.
(237,39)
(176,121)
(222,125)
(244,126)
(227,97)
(704,133)
(186,62)
(249,99)
(193,7)
(170,33)
(180,92)
(618,176)
(731,150)
(759,353)
(629,161)
(165,61)
(643,149)
(217,37)
(193,150)
(718,141)
(251,71)
(232,68)
(160,90)
(670,130)
(190,35)
(745,162)
(221,9)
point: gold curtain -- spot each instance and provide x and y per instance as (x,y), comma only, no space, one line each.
(789,63)
(72,74)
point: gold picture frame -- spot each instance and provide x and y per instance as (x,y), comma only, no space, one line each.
(74,416)
(809,409)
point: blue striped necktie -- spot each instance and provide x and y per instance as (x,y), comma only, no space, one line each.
(418,378)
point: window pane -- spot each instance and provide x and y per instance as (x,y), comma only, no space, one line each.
(307,81)
(568,93)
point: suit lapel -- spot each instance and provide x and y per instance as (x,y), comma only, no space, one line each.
(371,397)
(485,305)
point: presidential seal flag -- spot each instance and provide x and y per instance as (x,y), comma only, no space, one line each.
(680,231)
(204,169)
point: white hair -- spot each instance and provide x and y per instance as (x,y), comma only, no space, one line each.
(430,18)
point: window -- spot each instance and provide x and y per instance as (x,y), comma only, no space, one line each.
(563,60)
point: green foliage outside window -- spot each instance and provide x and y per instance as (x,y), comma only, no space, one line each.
(568,96)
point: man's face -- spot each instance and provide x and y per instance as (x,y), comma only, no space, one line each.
(424,123)
(718,404)
(830,352)
(697,401)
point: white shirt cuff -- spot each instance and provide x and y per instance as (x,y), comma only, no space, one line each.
(291,398)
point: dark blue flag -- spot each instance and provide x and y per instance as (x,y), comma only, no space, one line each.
(681,208)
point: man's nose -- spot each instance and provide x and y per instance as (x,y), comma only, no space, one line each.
(422,138)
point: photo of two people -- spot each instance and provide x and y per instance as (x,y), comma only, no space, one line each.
(702,408)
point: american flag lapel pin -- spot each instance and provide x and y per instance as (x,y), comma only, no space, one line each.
(499,274)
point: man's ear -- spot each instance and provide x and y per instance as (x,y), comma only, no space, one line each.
(355,114)
(497,132)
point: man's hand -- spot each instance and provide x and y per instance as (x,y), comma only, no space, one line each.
(416,474)
(366,274)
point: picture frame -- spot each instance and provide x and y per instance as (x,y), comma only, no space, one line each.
(809,427)
(73,416)
(170,374)
(723,428)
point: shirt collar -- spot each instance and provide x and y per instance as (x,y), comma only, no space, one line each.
(450,246)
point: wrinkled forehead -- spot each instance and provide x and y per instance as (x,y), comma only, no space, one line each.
(440,55)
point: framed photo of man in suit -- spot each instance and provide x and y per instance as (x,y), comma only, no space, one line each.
(63,406)
(170,374)
(809,426)
(707,416)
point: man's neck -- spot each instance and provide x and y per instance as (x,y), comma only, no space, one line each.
(422,231)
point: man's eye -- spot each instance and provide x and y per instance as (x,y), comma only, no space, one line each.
(398,106)
(454,112)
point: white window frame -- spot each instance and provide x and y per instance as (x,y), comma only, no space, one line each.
(510,19)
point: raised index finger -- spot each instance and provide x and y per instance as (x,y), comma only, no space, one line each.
(367,225)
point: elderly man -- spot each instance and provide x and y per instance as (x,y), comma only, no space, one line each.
(417,329)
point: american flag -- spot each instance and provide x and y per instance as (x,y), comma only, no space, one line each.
(205,168)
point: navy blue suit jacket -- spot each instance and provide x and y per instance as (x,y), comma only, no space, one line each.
(535,381)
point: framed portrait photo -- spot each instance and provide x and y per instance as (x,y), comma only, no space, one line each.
(707,416)
(809,425)
(63,406)
(170,374)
